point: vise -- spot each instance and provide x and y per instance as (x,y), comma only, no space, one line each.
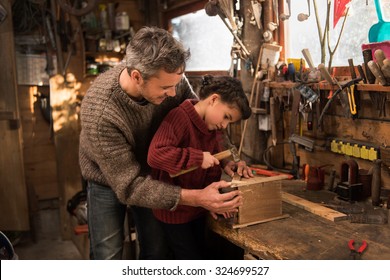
(349,188)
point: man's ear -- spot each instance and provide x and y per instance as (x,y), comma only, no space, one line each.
(136,76)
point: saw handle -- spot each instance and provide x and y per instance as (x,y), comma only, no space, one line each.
(219,156)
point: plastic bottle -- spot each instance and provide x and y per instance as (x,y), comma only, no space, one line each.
(122,22)
(103,17)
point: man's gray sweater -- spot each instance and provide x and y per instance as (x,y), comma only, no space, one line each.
(114,140)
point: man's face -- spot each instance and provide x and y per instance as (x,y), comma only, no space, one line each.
(159,87)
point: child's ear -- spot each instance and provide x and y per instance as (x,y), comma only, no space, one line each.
(214,97)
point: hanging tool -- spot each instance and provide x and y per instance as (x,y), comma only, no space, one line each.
(352,100)
(253,90)
(325,74)
(303,16)
(295,110)
(343,97)
(351,68)
(308,58)
(284,16)
(226,11)
(356,254)
(275,6)
(386,69)
(377,73)
(379,57)
(273,120)
(342,87)
(256,11)
(361,73)
(367,57)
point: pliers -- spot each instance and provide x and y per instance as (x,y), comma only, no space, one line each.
(356,254)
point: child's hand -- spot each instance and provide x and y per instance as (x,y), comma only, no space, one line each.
(226,215)
(240,167)
(209,160)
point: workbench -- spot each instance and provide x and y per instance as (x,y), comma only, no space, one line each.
(306,236)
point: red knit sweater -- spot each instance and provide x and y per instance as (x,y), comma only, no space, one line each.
(179,144)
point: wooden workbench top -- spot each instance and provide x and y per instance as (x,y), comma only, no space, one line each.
(307,236)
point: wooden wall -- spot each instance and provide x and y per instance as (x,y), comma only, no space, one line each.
(38,145)
(13,193)
(370,127)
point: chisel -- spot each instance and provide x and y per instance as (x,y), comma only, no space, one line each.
(352,68)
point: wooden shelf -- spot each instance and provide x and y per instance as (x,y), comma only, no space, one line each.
(326,86)
(105,53)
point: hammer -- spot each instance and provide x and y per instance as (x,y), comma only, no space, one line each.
(232,151)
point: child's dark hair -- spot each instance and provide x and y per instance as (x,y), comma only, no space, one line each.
(231,92)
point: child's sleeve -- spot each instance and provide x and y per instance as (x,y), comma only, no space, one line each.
(168,150)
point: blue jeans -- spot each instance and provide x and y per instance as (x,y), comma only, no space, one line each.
(106,216)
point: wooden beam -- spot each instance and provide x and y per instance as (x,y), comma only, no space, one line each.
(314,208)
(257,180)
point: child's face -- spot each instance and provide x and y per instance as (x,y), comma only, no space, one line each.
(218,115)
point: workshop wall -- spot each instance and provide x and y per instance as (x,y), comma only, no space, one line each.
(40,160)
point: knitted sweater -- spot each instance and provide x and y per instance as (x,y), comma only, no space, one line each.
(115,135)
(179,144)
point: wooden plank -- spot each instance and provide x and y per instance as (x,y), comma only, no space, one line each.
(257,180)
(13,193)
(261,201)
(314,208)
(66,138)
(261,221)
(38,146)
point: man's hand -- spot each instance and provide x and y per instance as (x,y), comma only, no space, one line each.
(240,167)
(211,199)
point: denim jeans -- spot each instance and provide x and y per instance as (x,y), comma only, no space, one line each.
(106,216)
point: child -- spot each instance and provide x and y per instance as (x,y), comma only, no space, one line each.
(187,137)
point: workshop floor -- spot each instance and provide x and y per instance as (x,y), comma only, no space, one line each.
(45,242)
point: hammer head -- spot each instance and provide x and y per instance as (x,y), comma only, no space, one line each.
(235,155)
(232,148)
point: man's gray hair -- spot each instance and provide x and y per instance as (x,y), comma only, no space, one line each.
(153,49)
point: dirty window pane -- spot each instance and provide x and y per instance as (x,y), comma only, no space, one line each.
(207,37)
(304,34)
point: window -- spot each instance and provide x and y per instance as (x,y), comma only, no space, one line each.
(300,35)
(207,37)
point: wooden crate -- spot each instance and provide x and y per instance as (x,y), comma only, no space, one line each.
(262,200)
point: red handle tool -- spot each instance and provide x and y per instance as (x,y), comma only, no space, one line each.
(354,253)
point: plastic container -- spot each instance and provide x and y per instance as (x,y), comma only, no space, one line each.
(122,22)
(384,46)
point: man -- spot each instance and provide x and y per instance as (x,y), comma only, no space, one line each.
(119,115)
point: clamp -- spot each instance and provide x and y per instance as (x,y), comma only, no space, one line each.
(356,254)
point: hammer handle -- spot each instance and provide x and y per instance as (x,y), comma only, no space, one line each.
(326,74)
(377,72)
(218,156)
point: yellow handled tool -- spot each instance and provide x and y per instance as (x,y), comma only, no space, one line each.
(351,99)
